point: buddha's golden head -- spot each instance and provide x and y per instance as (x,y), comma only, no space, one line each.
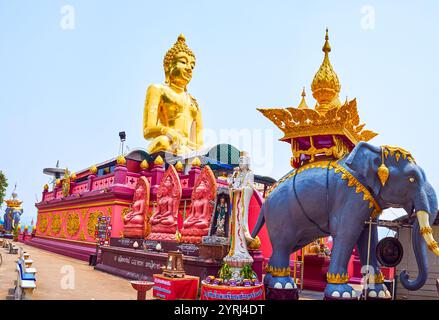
(178,63)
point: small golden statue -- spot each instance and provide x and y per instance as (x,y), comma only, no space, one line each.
(172,118)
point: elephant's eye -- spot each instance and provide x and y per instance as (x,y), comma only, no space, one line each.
(411,179)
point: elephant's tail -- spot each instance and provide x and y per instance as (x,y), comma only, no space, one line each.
(259,224)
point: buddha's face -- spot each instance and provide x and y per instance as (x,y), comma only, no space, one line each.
(180,72)
(200,190)
(139,192)
(167,186)
(244,163)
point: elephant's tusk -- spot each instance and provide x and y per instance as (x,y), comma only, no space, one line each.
(426,231)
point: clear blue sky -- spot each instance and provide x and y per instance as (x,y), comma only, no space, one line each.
(65,94)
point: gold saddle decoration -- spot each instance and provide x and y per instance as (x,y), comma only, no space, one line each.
(345,175)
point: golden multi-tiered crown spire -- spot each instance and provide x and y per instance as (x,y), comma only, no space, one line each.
(325,85)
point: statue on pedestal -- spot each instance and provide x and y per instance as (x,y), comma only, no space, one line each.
(172,117)
(241,189)
(135,221)
(221,211)
(164,220)
(197,223)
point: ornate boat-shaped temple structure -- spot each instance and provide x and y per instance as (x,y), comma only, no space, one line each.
(68,214)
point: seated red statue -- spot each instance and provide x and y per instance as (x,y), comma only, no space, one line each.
(135,220)
(197,223)
(164,220)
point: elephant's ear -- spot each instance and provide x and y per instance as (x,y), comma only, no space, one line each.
(365,160)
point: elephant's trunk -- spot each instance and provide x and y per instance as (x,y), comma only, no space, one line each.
(422,238)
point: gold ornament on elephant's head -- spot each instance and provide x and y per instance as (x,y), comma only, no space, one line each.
(383,171)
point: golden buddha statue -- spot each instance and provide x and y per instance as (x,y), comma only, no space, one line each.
(172,118)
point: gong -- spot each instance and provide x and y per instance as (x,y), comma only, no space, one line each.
(389,252)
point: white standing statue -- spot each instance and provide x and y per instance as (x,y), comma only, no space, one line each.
(241,190)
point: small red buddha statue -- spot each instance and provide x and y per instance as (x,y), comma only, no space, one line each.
(197,223)
(135,220)
(164,220)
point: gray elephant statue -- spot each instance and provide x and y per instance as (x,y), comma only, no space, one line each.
(12,219)
(336,198)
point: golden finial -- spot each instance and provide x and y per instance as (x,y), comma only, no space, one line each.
(73,176)
(326,47)
(46,187)
(325,85)
(93,170)
(121,160)
(159,161)
(303,104)
(179,166)
(179,46)
(58,182)
(144,165)
(196,162)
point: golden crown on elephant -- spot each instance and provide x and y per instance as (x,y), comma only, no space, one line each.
(330,129)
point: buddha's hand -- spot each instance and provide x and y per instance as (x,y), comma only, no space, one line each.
(174,136)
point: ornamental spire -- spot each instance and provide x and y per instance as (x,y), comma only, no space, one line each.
(325,85)
(303,104)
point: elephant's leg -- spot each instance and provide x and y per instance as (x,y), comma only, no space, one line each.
(278,269)
(375,287)
(337,287)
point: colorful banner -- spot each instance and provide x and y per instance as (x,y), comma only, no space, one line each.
(175,288)
(212,292)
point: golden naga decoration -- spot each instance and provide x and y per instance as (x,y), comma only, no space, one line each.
(333,278)
(172,117)
(330,129)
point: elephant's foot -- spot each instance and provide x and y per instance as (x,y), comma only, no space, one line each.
(279,282)
(377,291)
(340,292)
(280,288)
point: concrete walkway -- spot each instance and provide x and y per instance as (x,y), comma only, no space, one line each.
(64,278)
